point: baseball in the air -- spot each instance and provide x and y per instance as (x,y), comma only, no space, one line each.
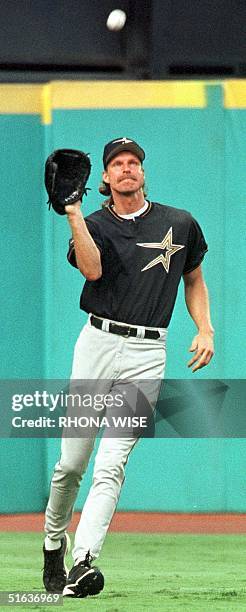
(116,20)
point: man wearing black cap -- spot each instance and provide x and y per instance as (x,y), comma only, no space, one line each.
(133,253)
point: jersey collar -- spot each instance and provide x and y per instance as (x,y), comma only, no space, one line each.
(110,210)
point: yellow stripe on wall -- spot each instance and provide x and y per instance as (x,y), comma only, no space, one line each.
(128,94)
(20,99)
(41,99)
(235,94)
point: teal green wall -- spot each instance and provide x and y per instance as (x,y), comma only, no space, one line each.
(23,462)
(22,247)
(195,159)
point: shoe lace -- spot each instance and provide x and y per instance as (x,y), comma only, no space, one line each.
(88,559)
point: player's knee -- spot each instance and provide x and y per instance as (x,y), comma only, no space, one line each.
(70,471)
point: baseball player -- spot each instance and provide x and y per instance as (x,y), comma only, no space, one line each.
(133,253)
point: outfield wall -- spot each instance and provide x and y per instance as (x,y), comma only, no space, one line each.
(194,137)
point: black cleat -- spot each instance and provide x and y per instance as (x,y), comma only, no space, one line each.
(83,580)
(55,571)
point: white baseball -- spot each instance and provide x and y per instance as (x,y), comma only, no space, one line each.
(116,20)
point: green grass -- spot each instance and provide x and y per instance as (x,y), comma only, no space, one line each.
(192,573)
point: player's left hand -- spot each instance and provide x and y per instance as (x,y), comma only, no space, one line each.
(203,346)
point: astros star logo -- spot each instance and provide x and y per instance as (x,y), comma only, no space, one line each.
(166,245)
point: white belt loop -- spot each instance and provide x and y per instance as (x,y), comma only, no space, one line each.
(140,332)
(163,333)
(105,325)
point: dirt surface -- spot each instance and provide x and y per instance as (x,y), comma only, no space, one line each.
(141,522)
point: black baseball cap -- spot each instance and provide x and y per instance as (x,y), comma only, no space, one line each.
(121,144)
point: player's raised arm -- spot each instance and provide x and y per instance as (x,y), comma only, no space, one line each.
(88,257)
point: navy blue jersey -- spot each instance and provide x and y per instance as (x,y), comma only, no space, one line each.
(142,263)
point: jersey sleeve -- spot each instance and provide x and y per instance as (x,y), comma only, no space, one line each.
(95,234)
(196,249)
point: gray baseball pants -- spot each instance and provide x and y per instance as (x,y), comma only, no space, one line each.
(112,358)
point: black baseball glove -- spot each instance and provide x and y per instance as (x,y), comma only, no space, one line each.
(66,174)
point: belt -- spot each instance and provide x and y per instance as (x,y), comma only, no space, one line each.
(124,330)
